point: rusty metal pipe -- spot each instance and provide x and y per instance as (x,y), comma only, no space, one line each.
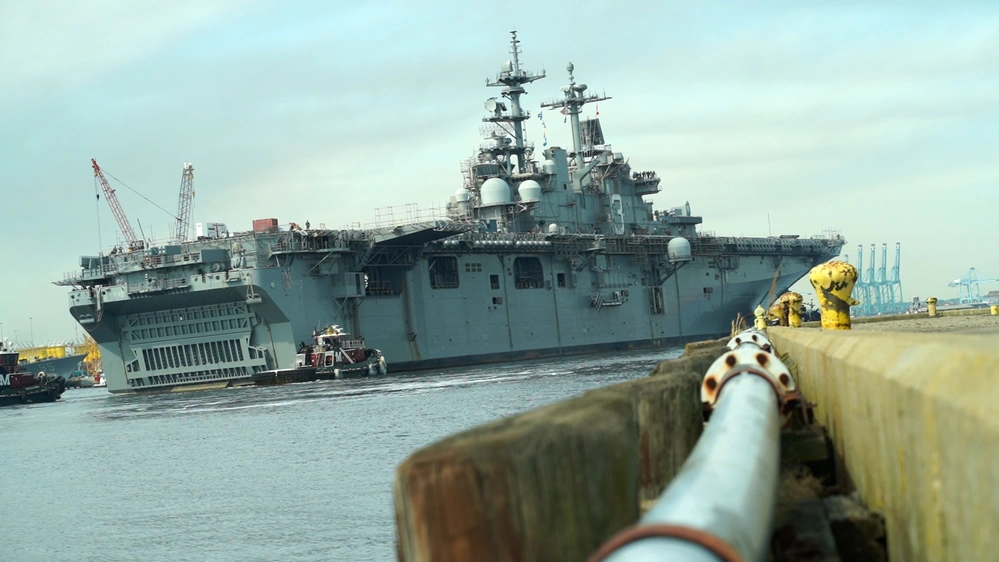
(720,506)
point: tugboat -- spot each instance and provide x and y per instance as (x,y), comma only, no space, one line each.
(18,387)
(332,355)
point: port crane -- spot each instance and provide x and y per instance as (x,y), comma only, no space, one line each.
(134,243)
(184,203)
(879,291)
(967,286)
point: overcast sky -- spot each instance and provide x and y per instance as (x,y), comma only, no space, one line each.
(876,119)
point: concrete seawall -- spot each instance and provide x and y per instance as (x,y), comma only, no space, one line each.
(913,419)
(553,483)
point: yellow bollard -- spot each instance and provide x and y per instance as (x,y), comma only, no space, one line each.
(761,318)
(931,306)
(995,309)
(794,301)
(778,312)
(833,282)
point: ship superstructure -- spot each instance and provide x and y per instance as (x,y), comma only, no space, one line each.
(536,257)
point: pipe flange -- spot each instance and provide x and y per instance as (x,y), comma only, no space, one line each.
(753,337)
(746,359)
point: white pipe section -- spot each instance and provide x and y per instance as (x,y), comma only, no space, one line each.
(727,488)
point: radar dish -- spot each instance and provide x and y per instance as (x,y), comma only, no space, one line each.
(491,105)
(495,191)
(529,191)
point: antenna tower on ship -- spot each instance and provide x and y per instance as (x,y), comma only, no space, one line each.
(572,105)
(512,79)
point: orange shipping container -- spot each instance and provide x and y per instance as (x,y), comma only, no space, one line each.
(265,225)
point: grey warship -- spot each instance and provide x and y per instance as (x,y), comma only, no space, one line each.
(535,257)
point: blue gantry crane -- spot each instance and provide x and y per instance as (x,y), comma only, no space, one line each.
(967,286)
(879,291)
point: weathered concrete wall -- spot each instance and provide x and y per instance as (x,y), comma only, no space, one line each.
(550,484)
(914,420)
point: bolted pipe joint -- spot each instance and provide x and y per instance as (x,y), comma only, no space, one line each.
(720,506)
(833,282)
(746,359)
(753,336)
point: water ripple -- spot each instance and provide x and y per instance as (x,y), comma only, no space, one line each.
(295,472)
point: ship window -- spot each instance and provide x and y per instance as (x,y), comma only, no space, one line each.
(473,267)
(444,272)
(494,282)
(561,279)
(528,273)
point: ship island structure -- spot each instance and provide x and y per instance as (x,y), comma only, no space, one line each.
(536,257)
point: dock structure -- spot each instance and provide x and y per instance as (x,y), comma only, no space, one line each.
(912,419)
(903,406)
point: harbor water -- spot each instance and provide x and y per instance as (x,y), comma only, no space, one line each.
(297,472)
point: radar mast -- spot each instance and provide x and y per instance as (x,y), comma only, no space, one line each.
(572,105)
(512,79)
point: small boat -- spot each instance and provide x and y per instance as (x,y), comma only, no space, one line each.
(334,354)
(79,379)
(21,387)
(99,380)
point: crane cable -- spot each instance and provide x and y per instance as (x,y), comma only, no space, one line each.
(139,194)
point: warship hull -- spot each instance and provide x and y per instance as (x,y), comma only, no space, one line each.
(62,366)
(231,326)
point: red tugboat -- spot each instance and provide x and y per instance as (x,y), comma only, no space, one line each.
(24,387)
(332,355)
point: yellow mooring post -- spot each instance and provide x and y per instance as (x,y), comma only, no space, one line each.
(778,312)
(793,301)
(931,306)
(995,309)
(761,318)
(833,282)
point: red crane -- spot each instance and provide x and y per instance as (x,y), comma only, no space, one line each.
(126,229)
